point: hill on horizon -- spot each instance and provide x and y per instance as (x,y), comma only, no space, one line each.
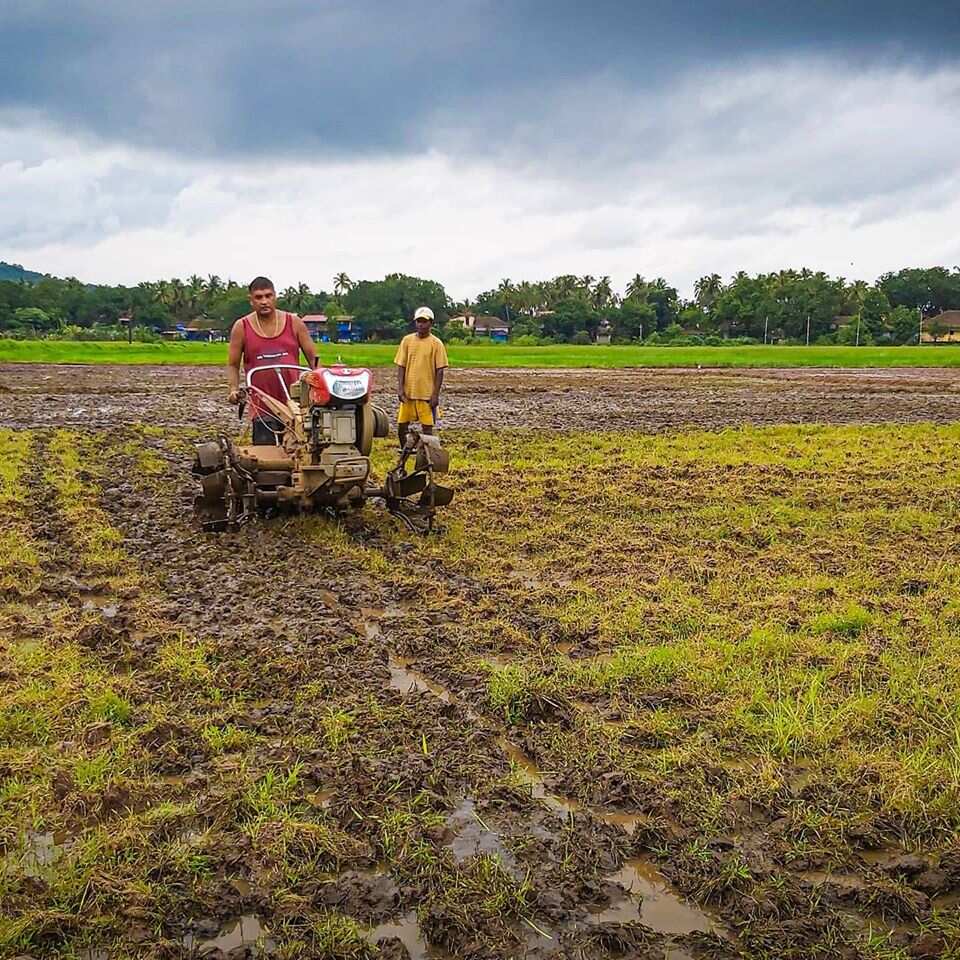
(15,271)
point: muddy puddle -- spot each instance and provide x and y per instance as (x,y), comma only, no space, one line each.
(321,799)
(42,851)
(246,931)
(407,680)
(650,901)
(472,836)
(101,604)
(406,929)
(531,774)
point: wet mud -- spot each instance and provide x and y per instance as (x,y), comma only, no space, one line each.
(650,400)
(418,822)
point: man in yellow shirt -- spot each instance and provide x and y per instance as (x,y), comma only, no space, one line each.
(422,358)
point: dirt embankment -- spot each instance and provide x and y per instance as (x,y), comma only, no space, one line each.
(646,400)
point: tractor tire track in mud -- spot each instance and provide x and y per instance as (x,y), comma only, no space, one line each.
(283,612)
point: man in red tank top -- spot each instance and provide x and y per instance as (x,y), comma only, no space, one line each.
(265,337)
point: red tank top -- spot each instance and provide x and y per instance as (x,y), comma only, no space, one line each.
(260,351)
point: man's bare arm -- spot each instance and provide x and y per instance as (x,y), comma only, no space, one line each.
(437,384)
(305,341)
(401,393)
(234,356)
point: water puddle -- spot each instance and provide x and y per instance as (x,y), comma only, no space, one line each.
(847,880)
(372,617)
(321,799)
(650,901)
(102,603)
(628,822)
(405,680)
(473,837)
(406,929)
(42,851)
(247,931)
(243,887)
(532,776)
(881,856)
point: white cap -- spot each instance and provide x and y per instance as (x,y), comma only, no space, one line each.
(423,312)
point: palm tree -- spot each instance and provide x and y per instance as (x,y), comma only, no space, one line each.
(602,292)
(565,285)
(195,293)
(637,288)
(706,290)
(342,284)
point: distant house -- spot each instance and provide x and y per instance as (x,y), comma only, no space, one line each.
(943,328)
(200,329)
(316,324)
(484,326)
(604,332)
(838,323)
(348,329)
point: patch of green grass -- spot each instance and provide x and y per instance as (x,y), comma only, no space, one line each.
(73,463)
(92,773)
(109,706)
(149,464)
(336,725)
(331,935)
(268,797)
(186,659)
(784,590)
(19,561)
(226,738)
(499,355)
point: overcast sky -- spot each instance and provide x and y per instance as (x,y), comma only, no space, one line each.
(473,140)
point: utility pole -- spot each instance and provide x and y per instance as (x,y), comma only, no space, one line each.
(858,329)
(808,329)
(920,330)
(766,323)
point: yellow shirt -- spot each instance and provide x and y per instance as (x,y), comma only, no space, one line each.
(422,357)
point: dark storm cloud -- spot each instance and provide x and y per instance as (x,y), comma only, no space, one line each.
(210,78)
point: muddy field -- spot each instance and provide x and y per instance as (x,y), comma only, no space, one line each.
(683,696)
(652,400)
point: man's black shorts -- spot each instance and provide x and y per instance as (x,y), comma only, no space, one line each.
(267,429)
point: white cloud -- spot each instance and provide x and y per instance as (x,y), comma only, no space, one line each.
(756,167)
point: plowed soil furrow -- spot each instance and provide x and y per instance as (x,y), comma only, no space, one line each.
(297,646)
(646,400)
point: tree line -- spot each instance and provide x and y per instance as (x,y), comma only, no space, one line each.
(793,306)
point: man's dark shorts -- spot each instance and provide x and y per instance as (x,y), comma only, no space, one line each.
(267,429)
